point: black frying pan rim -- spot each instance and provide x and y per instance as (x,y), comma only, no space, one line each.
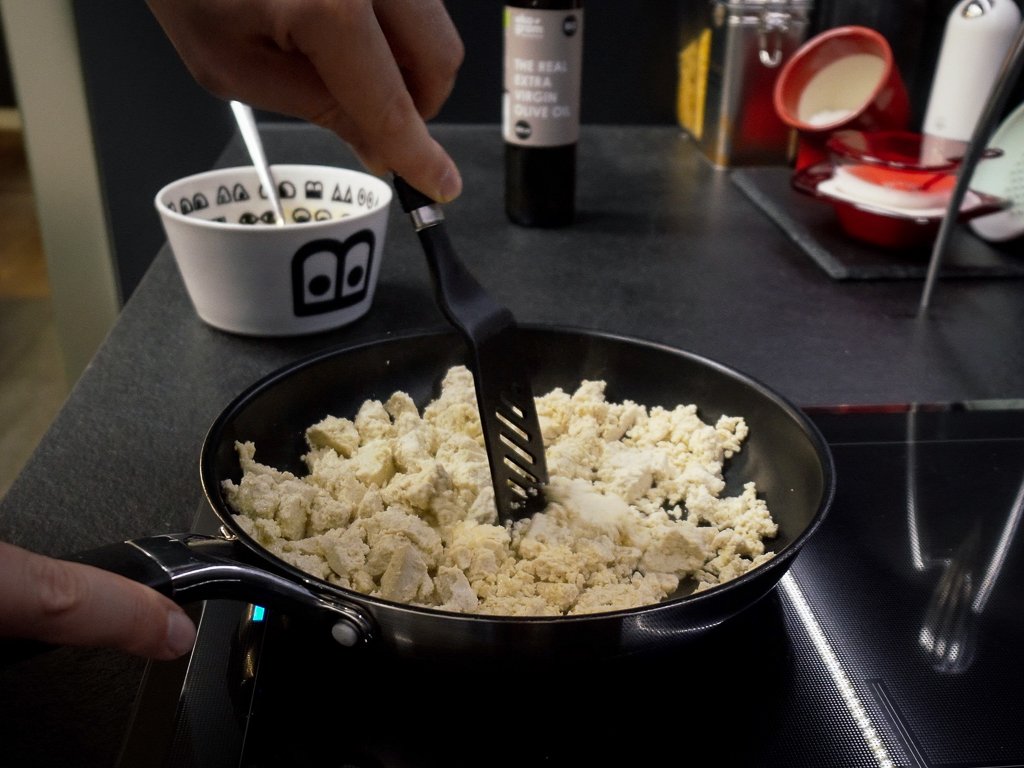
(781,560)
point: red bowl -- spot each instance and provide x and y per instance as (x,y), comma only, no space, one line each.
(881,228)
(894,188)
(885,105)
(898,151)
(888,228)
(897,170)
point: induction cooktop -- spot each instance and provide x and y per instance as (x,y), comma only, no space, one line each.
(896,639)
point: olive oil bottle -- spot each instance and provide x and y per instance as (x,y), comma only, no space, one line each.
(540,109)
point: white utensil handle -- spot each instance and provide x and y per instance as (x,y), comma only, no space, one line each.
(978,34)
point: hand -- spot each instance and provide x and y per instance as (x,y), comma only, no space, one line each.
(64,603)
(371,71)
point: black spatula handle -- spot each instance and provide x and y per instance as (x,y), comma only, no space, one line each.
(461,297)
(409,198)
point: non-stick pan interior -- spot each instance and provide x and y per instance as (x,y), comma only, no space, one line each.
(783,454)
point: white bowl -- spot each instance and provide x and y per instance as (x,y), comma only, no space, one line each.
(247,275)
(1004,177)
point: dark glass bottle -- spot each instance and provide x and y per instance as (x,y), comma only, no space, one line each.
(540,112)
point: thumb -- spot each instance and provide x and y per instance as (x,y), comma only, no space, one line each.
(66,603)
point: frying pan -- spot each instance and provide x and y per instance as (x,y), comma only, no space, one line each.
(784,455)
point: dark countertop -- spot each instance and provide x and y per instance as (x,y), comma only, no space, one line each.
(666,248)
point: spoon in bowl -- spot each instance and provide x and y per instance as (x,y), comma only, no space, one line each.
(251,136)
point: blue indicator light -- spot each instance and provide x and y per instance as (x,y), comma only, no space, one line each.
(257,612)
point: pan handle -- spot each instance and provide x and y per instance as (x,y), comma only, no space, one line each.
(188,567)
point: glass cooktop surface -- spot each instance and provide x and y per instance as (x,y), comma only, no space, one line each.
(894,640)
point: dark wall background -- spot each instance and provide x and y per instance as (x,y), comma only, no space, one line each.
(6,85)
(152,123)
(630,53)
(629,61)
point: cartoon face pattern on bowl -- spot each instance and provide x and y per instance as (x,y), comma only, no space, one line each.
(309,202)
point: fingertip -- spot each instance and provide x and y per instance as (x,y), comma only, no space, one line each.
(428,168)
(181,633)
(450,186)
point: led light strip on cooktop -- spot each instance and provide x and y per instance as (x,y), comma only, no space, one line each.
(828,656)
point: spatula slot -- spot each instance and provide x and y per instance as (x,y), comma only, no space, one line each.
(515,428)
(517,450)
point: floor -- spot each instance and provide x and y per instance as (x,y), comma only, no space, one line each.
(32,380)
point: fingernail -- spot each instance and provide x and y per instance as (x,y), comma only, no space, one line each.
(451,184)
(181,633)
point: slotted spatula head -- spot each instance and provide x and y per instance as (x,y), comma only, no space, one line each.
(508,414)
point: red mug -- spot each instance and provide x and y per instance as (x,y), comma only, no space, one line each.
(843,78)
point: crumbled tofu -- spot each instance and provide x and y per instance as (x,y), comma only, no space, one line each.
(337,434)
(398,504)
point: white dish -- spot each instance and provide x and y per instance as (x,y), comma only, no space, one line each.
(868,192)
(830,188)
(1003,177)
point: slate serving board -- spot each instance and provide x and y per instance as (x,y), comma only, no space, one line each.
(812,225)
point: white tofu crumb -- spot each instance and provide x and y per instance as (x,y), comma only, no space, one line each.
(405,580)
(398,504)
(454,590)
(340,435)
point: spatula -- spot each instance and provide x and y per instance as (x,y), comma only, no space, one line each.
(508,415)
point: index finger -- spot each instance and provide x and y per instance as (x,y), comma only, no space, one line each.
(67,603)
(427,47)
(373,108)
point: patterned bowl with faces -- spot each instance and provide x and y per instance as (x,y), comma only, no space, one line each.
(245,274)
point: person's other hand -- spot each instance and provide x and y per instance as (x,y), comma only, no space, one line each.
(372,72)
(64,603)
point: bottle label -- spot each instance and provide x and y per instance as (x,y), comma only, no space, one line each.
(543,59)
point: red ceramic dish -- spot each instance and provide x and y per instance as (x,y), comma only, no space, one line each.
(898,170)
(897,151)
(894,188)
(887,227)
(884,229)
(802,94)
(894,169)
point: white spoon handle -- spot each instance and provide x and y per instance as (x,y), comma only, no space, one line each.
(251,136)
